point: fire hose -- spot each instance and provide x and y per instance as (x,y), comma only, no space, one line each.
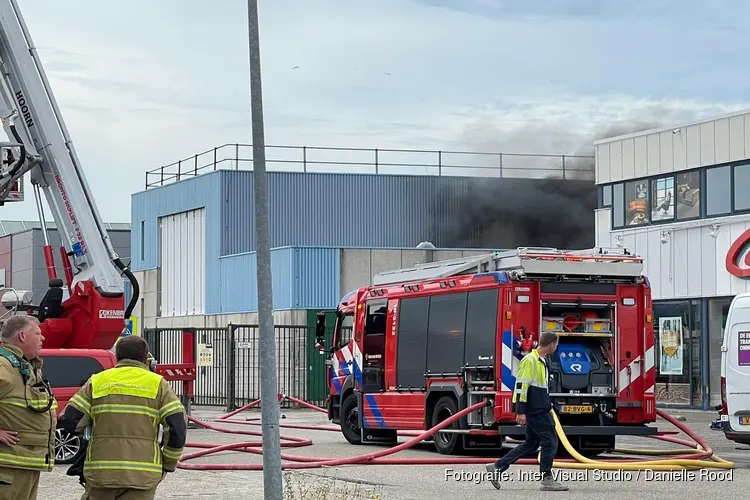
(698,456)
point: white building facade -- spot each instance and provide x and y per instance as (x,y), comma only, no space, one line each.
(680,198)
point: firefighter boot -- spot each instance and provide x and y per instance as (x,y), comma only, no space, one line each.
(549,484)
(496,475)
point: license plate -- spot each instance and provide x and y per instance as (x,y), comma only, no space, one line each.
(745,420)
(577,409)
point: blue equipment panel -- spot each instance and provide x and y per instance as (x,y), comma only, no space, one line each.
(574,360)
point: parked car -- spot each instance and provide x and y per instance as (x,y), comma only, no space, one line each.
(67,370)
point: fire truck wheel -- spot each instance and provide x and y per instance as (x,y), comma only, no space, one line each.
(350,420)
(446,443)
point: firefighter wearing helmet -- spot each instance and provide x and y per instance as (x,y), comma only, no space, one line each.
(121,405)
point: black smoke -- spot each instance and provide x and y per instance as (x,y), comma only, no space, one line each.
(511,212)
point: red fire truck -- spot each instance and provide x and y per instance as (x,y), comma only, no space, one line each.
(425,342)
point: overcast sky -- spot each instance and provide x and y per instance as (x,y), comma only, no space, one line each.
(145,83)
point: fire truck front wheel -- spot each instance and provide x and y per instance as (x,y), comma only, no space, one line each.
(446,443)
(349,416)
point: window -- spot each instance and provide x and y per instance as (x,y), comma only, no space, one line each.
(445,333)
(678,353)
(740,183)
(345,330)
(618,205)
(687,195)
(606,196)
(636,199)
(70,371)
(662,199)
(143,244)
(718,192)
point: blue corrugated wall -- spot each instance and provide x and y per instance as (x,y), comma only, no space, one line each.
(302,278)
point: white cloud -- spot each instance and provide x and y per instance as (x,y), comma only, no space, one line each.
(150,83)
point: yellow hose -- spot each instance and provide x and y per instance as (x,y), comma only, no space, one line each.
(655,465)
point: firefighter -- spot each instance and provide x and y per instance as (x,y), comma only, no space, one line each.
(28,410)
(124,457)
(533,407)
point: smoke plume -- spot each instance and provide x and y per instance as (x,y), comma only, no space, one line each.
(545,210)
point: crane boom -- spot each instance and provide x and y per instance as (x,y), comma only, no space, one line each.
(93,315)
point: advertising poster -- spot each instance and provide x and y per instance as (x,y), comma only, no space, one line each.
(687,195)
(662,199)
(670,346)
(743,356)
(636,203)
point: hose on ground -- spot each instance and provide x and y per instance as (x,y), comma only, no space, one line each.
(698,456)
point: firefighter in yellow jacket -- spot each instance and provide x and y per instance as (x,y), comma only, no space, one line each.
(124,407)
(28,411)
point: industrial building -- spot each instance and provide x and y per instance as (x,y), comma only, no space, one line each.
(678,197)
(22,265)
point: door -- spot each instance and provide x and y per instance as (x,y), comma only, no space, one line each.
(344,357)
(317,383)
(373,347)
(736,364)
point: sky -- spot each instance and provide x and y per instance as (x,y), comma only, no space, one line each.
(143,84)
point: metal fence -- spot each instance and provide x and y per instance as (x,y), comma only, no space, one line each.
(379,161)
(229,374)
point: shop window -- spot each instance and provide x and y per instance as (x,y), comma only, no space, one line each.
(636,203)
(677,343)
(687,195)
(718,192)
(740,183)
(606,196)
(718,309)
(618,205)
(662,199)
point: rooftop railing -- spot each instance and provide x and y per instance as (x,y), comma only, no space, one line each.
(377,161)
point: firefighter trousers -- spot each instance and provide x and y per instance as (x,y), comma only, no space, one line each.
(118,494)
(18,484)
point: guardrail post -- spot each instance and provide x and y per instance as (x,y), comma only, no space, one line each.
(304,158)
(231,368)
(500,160)
(236,156)
(563,166)
(196,164)
(440,163)
(214,158)
(376,161)
(179,170)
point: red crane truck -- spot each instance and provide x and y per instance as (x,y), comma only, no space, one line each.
(425,342)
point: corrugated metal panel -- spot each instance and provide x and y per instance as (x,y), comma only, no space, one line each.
(22,267)
(239,292)
(183,263)
(317,278)
(380,211)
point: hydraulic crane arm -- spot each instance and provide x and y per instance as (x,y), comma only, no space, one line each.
(93,315)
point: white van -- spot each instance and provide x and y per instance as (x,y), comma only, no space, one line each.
(735,371)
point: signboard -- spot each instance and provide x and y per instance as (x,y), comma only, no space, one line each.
(743,347)
(735,254)
(131,327)
(205,355)
(670,345)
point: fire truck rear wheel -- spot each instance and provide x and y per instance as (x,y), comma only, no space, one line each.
(446,443)
(350,420)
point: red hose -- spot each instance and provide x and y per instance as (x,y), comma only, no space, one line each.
(378,458)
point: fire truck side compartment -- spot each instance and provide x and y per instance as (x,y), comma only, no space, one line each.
(411,337)
(481,328)
(445,334)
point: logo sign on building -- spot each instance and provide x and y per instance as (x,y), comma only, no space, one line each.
(743,354)
(737,261)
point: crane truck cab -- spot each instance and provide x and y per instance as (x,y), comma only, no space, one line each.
(735,371)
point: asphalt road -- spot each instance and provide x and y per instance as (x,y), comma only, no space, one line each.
(407,482)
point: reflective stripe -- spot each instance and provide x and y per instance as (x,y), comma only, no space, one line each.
(171,453)
(523,381)
(40,462)
(170,409)
(98,409)
(77,401)
(26,403)
(125,381)
(122,465)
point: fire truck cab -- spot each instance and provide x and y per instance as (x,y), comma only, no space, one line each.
(422,343)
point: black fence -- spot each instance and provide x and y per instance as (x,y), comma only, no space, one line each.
(228,359)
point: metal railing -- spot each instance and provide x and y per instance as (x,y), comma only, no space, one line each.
(233,377)
(378,161)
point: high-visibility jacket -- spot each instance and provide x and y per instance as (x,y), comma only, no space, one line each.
(125,406)
(27,407)
(531,395)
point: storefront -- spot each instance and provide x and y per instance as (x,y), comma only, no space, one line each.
(678,197)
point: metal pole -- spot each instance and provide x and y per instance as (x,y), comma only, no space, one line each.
(272,478)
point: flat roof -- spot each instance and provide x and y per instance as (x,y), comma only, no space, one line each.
(19,226)
(666,129)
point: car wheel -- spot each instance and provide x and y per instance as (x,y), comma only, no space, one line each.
(67,447)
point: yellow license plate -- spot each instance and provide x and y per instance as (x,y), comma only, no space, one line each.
(577,409)
(745,420)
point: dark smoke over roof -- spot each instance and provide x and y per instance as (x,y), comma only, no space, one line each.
(508,212)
